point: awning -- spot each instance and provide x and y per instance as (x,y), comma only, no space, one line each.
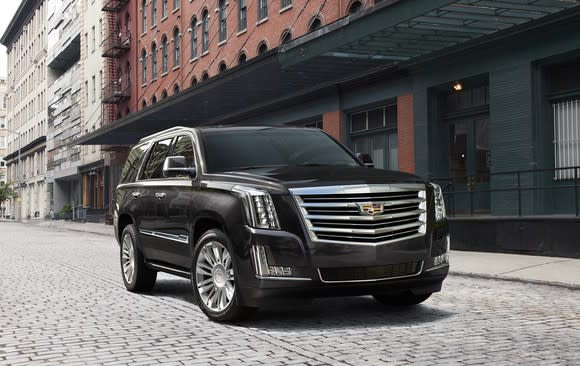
(386,37)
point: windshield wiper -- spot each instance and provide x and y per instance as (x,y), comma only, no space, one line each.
(257,167)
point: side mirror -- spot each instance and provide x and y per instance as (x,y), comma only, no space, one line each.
(176,166)
(365,159)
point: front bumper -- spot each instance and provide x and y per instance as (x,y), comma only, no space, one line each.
(305,259)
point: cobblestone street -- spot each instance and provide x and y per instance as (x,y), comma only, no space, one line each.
(62,300)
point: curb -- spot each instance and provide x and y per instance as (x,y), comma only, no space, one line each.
(515,279)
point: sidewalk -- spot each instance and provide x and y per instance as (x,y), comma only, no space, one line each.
(512,267)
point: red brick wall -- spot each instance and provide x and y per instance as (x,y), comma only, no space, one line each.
(332,124)
(297,19)
(405,133)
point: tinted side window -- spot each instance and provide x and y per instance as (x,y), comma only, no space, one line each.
(184,147)
(131,167)
(154,166)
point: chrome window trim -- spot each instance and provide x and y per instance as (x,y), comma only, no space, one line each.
(374,280)
(183,239)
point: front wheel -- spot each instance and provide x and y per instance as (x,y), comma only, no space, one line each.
(213,278)
(406,299)
(136,276)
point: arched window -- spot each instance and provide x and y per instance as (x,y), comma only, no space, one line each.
(176,47)
(286,37)
(204,76)
(176,89)
(223,33)
(154,61)
(193,37)
(153,99)
(242,58)
(193,81)
(223,67)
(153,12)
(163,9)
(354,7)
(144,103)
(164,54)
(262,48)
(205,30)
(316,23)
(144,15)
(144,66)
(164,94)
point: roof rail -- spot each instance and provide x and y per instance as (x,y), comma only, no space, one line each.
(160,133)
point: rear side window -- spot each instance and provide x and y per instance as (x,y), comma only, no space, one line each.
(184,147)
(154,166)
(131,167)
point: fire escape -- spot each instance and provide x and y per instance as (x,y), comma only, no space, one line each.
(117,84)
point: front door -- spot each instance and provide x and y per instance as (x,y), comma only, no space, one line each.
(469,165)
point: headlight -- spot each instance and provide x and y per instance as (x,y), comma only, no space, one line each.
(439,202)
(259,207)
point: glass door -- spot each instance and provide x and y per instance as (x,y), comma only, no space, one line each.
(469,164)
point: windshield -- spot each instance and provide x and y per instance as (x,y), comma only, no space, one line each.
(248,149)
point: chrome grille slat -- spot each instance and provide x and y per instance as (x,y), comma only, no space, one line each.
(335,214)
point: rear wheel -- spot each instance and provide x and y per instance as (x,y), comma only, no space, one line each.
(214,280)
(136,276)
(406,299)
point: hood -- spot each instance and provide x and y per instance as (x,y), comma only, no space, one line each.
(312,176)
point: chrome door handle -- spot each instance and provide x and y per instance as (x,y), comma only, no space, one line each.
(136,194)
(160,195)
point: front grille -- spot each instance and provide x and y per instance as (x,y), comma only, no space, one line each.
(369,273)
(363,214)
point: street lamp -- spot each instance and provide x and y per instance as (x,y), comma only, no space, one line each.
(18,175)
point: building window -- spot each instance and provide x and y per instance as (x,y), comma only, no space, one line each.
(374,132)
(153,99)
(144,15)
(94,40)
(286,37)
(566,137)
(153,12)
(164,55)
(222,67)
(164,94)
(262,9)
(144,105)
(355,7)
(193,37)
(205,30)
(164,7)
(176,89)
(262,48)
(144,66)
(242,58)
(223,21)
(285,3)
(193,81)
(176,47)
(94,85)
(242,15)
(175,4)
(2,143)
(316,23)
(204,76)
(153,61)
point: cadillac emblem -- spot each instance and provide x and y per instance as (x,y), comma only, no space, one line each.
(371,208)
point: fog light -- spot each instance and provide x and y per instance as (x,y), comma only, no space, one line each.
(280,271)
(441,259)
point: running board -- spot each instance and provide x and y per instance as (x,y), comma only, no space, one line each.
(162,267)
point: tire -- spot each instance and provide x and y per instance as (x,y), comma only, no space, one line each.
(213,276)
(136,275)
(406,299)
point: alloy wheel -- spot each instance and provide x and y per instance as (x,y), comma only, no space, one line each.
(128,258)
(214,276)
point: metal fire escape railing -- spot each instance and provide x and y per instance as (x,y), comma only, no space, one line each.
(116,44)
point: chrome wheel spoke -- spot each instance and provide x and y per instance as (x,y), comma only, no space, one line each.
(128,258)
(214,276)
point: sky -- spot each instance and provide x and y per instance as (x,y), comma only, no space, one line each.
(7,11)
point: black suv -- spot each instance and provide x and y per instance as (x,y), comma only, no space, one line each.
(255,215)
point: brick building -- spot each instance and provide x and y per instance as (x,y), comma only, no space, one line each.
(481,96)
